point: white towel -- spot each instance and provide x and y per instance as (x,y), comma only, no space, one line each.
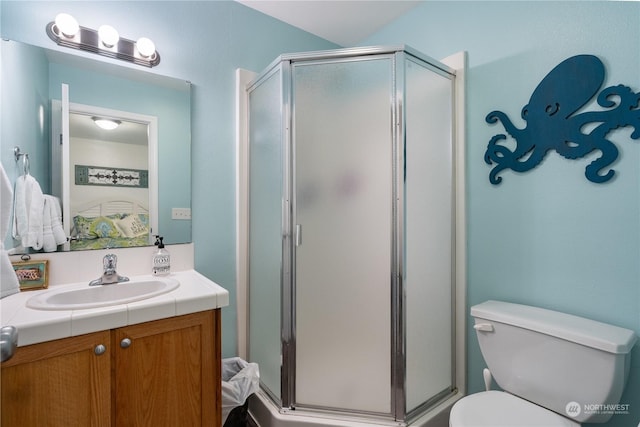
(48,241)
(28,212)
(20,216)
(8,280)
(52,232)
(56,220)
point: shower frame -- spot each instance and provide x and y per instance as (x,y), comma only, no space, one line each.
(290,234)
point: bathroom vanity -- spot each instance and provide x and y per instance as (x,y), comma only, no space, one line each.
(150,362)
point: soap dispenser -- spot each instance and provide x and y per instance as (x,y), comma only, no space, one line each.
(161,260)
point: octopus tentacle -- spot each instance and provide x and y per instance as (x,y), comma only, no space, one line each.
(495,116)
(493,175)
(535,156)
(498,154)
(507,159)
(592,171)
(609,155)
(627,109)
(495,152)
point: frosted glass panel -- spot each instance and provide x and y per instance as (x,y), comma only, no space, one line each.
(265,229)
(343,167)
(428,233)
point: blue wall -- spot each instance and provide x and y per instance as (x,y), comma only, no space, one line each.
(547,237)
(25,111)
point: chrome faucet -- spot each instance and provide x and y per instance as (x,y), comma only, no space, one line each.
(110,275)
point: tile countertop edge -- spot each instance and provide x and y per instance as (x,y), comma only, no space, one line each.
(196,293)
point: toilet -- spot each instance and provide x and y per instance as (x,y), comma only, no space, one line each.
(553,368)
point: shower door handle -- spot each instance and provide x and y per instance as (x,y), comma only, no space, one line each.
(298,235)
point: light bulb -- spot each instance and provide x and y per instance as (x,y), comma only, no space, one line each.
(146,47)
(67,24)
(108,35)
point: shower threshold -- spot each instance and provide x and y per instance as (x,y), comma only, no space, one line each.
(266,414)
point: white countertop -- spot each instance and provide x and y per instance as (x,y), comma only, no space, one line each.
(195,293)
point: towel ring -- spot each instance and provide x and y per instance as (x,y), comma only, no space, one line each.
(25,159)
(17,153)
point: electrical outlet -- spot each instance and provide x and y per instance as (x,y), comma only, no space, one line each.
(181,213)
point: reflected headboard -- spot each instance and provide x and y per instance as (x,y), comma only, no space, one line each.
(104,207)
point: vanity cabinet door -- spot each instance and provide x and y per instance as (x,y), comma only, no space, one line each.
(167,372)
(59,383)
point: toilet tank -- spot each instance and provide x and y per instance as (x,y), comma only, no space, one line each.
(554,359)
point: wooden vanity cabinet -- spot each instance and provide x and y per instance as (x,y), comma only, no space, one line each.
(167,374)
(58,383)
(160,373)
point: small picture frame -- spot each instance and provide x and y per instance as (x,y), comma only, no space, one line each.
(32,274)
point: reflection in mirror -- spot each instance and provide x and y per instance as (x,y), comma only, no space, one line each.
(111,174)
(31,79)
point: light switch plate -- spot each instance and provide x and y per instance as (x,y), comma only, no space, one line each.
(181,213)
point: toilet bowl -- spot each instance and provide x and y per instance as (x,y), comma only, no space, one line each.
(499,409)
(551,367)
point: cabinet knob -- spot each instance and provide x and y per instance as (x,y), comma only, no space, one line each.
(125,343)
(100,349)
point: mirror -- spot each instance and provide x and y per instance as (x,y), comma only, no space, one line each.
(32,78)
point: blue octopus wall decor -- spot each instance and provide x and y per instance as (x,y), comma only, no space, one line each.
(553,121)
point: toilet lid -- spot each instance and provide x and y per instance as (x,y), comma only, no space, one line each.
(499,409)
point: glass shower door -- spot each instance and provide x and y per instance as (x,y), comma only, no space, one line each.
(428,233)
(343,180)
(265,229)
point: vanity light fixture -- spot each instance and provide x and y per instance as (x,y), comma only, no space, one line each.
(106,124)
(66,31)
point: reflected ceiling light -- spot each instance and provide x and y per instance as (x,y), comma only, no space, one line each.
(108,35)
(67,24)
(106,41)
(106,124)
(146,47)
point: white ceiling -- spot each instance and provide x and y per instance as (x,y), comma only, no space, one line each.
(344,22)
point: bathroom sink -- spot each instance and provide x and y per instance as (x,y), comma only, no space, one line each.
(83,297)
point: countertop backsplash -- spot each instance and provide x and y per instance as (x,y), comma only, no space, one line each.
(78,266)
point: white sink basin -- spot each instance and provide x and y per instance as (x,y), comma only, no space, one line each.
(83,297)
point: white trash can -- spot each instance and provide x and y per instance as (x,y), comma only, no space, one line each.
(240,379)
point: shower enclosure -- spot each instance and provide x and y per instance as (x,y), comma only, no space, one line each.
(352,232)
